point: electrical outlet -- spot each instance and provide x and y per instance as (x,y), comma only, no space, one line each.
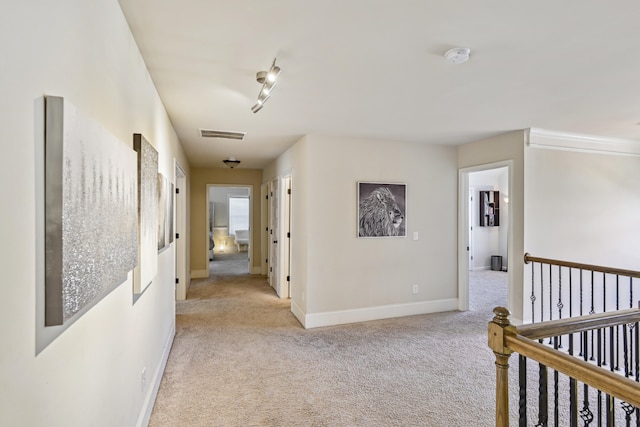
(415,235)
(416,289)
(143,378)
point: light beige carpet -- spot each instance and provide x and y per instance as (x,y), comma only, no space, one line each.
(229,264)
(240,358)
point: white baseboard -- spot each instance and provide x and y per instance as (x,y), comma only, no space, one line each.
(199,274)
(298,312)
(152,393)
(484,267)
(330,318)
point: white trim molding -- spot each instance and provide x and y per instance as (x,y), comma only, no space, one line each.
(299,313)
(331,318)
(199,274)
(543,138)
(152,393)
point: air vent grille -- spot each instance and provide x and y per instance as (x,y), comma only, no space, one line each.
(205,133)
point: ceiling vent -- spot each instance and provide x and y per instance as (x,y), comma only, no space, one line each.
(205,133)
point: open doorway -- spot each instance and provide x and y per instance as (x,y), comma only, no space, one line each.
(229,224)
(484,243)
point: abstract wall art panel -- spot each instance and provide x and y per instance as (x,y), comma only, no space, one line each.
(166,191)
(91,237)
(147,266)
(162,212)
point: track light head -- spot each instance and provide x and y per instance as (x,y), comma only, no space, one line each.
(261,76)
(273,73)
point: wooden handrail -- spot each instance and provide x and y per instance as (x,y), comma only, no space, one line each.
(554,328)
(504,339)
(601,379)
(610,270)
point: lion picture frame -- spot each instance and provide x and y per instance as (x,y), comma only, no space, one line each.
(382,209)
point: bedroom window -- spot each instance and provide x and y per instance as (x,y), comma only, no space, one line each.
(238,214)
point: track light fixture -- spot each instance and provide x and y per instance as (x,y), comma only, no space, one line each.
(232,162)
(268,80)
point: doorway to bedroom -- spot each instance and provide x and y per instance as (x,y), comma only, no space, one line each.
(484,237)
(229,220)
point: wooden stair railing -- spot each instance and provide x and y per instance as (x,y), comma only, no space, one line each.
(579,266)
(561,289)
(505,339)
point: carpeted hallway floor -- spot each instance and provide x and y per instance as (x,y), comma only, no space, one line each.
(240,358)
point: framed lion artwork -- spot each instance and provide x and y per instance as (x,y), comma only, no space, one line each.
(382,209)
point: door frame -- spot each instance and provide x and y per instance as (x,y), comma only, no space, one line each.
(285,237)
(251,201)
(180,218)
(264,229)
(470,228)
(274,235)
(463,230)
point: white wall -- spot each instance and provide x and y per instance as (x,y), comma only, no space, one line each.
(508,147)
(583,207)
(91,374)
(294,162)
(342,278)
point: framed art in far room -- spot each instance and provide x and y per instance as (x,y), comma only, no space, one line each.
(382,209)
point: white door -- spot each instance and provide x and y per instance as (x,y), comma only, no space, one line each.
(274,230)
(264,229)
(180,207)
(471,221)
(286,237)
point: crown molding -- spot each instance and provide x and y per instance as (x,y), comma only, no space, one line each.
(554,140)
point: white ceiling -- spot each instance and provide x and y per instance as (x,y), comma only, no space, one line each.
(375,69)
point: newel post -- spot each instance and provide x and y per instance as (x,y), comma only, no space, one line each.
(498,328)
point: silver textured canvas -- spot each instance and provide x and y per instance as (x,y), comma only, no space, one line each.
(162,213)
(91,208)
(147,213)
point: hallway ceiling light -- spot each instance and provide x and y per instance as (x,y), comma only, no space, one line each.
(232,162)
(268,80)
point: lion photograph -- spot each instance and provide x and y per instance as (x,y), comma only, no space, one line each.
(381,210)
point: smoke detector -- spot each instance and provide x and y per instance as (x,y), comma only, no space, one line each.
(457,55)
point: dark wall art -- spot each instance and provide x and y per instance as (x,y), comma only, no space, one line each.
(381,209)
(91,206)
(147,266)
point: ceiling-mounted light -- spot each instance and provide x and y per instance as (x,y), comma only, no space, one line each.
(273,72)
(268,81)
(457,55)
(257,107)
(232,162)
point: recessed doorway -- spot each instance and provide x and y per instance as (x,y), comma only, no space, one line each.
(229,224)
(484,243)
